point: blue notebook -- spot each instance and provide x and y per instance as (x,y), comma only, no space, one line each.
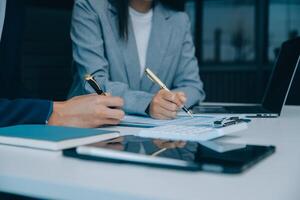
(52,137)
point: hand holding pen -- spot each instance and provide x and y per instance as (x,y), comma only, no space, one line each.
(165,103)
(109,107)
(90,79)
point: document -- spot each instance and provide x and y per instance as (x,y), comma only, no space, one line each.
(142,121)
(190,133)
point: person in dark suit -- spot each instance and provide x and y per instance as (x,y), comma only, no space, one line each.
(83,111)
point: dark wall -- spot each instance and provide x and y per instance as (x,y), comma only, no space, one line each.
(11,50)
(47,52)
(47,61)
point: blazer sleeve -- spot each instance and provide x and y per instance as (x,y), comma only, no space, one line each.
(89,57)
(187,77)
(24,111)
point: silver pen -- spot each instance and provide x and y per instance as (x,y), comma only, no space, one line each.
(156,80)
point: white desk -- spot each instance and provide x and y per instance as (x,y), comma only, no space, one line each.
(50,175)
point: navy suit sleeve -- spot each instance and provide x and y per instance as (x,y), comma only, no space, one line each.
(24,111)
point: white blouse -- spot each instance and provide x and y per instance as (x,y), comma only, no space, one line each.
(142,24)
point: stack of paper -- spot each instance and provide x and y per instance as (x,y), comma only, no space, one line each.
(198,128)
(141,121)
(190,133)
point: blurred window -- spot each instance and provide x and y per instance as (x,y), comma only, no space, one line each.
(228,31)
(284,20)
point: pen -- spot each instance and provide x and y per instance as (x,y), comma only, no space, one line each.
(90,79)
(159,152)
(156,80)
(224,122)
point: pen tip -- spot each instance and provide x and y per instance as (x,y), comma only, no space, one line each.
(190,114)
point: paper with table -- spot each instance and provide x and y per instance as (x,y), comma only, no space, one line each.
(199,128)
(147,122)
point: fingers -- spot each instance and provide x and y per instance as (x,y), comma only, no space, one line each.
(171,97)
(181,96)
(177,98)
(110,101)
(166,114)
(161,113)
(88,111)
(110,113)
(161,117)
(110,121)
(165,104)
(107,109)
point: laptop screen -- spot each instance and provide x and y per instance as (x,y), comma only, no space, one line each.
(282,76)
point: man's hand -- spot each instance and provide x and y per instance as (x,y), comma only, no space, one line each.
(88,111)
(165,105)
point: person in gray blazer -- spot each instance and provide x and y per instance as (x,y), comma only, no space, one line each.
(114,40)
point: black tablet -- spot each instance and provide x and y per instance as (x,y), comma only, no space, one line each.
(181,155)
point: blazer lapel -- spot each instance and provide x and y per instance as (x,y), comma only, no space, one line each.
(131,58)
(158,43)
(129,51)
(113,21)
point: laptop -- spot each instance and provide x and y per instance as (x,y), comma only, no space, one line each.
(277,91)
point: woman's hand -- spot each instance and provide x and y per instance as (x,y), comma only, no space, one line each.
(88,111)
(165,104)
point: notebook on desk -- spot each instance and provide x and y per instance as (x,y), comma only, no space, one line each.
(52,137)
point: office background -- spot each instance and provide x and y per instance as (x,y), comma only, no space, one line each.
(236,40)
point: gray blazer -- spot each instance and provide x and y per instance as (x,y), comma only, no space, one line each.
(98,50)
